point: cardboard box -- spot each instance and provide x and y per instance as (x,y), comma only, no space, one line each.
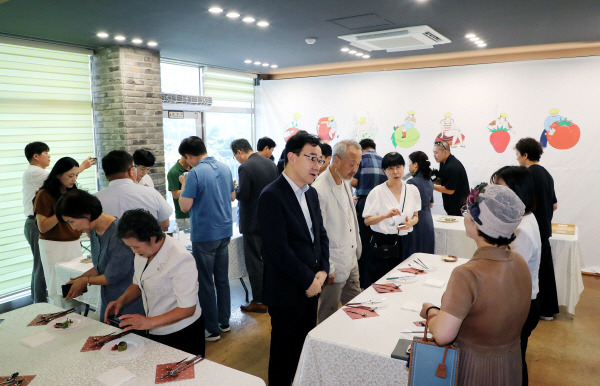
(563,229)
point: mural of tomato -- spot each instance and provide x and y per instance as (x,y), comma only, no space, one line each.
(563,134)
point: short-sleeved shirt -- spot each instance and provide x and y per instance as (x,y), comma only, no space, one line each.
(44,204)
(545,198)
(381,200)
(169,281)
(369,173)
(210,184)
(174,184)
(32,180)
(124,194)
(113,259)
(146,181)
(454,177)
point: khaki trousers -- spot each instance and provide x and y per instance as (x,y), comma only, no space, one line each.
(332,294)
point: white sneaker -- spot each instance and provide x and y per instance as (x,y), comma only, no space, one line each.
(211,337)
(547,318)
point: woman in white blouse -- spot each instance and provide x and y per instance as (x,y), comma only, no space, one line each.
(391,210)
(527,243)
(166,278)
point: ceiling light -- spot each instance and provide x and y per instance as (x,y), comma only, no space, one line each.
(469,36)
(352,52)
(215,10)
(482,45)
(262,23)
(359,54)
(152,44)
(120,38)
(233,15)
(137,41)
(248,19)
(474,39)
(247,61)
(265,64)
(102,35)
(257,63)
(345,49)
(274,66)
(366,56)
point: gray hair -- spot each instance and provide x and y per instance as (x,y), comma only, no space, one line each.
(341,148)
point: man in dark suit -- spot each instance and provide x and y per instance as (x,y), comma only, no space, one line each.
(296,254)
(255,172)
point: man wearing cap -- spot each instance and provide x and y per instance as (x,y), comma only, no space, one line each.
(452,180)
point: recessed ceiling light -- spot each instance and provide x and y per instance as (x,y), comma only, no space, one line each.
(215,10)
(469,36)
(152,44)
(247,61)
(102,35)
(120,38)
(345,49)
(265,64)
(274,66)
(233,15)
(359,54)
(248,19)
(257,63)
(262,23)
(137,41)
(481,45)
(366,56)
(474,39)
(352,52)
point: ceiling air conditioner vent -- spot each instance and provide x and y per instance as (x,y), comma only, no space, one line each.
(181,99)
(401,39)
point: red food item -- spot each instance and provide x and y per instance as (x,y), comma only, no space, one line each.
(499,140)
(114,348)
(565,134)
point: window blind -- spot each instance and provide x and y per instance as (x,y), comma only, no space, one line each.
(228,85)
(44,96)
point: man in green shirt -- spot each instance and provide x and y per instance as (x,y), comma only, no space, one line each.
(180,167)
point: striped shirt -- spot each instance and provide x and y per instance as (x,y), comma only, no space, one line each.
(369,174)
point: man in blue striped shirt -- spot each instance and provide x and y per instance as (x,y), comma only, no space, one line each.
(369,175)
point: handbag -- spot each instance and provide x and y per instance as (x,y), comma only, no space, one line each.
(431,364)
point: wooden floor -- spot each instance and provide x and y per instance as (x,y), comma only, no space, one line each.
(565,351)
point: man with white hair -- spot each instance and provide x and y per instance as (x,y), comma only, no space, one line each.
(339,219)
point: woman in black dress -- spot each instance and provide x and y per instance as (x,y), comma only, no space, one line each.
(422,238)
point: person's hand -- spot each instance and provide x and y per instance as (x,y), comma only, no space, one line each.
(314,289)
(77,287)
(394,212)
(424,309)
(182,178)
(321,276)
(331,278)
(406,226)
(135,322)
(355,199)
(112,308)
(87,163)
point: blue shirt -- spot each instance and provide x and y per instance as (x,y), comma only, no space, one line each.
(369,173)
(210,184)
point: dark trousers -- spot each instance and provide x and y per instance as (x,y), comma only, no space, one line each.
(254,264)
(39,292)
(189,339)
(547,296)
(375,268)
(289,327)
(365,238)
(532,321)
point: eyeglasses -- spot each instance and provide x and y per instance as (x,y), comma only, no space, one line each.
(394,168)
(315,159)
(443,144)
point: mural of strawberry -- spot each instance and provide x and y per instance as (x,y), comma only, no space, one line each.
(499,139)
(563,134)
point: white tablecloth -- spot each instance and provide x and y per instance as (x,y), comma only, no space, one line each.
(74,268)
(342,351)
(61,363)
(451,239)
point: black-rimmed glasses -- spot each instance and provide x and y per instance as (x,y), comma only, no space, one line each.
(315,159)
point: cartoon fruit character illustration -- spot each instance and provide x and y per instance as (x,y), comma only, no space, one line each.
(499,139)
(563,134)
(404,138)
(293,129)
(326,128)
(553,117)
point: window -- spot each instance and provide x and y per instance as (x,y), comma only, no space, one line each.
(179,79)
(44,96)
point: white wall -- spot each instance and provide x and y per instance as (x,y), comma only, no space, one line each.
(474,95)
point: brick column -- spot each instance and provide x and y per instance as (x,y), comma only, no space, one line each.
(127,105)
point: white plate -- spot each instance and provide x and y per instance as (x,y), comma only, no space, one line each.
(135,345)
(78,322)
(446,219)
